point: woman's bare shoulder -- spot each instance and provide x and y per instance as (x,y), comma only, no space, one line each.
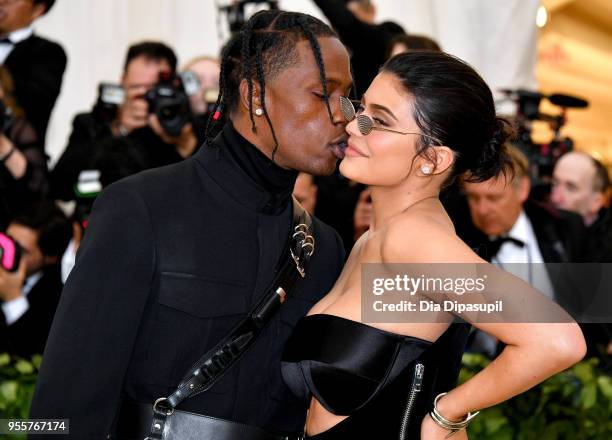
(417,238)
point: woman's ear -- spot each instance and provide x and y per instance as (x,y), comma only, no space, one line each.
(444,159)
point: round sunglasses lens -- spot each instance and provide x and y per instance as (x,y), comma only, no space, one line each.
(364,124)
(348,111)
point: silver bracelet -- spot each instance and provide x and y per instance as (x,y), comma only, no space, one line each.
(453,427)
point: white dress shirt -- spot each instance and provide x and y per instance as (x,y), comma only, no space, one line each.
(533,271)
(6,47)
(15,309)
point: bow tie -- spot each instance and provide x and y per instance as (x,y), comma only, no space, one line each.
(5,40)
(491,248)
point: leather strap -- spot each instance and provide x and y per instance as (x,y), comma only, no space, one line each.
(135,419)
(217,361)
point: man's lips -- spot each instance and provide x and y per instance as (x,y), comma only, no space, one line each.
(338,146)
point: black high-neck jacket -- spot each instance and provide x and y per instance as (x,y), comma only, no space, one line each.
(172,259)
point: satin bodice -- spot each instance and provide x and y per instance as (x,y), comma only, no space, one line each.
(359,371)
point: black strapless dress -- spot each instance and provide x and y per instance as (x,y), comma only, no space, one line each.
(384,382)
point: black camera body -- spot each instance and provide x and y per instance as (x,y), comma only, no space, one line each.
(236,11)
(169,101)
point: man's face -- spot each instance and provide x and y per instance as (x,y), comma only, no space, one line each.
(142,73)
(308,140)
(573,186)
(495,205)
(30,252)
(18,14)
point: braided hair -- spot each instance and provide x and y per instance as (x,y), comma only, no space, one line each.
(264,47)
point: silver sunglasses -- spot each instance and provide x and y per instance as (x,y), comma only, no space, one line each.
(365,124)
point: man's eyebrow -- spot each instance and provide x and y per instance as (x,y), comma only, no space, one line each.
(380,107)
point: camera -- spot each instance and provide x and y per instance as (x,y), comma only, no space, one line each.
(236,12)
(542,157)
(168,100)
(10,253)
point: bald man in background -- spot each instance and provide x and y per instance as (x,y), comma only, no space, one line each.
(581,184)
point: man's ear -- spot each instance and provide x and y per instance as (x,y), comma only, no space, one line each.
(244,95)
(596,202)
(524,187)
(38,10)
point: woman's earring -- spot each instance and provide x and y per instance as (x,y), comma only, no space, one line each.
(258,111)
(426,169)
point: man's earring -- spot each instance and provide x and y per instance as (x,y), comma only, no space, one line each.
(426,169)
(258,111)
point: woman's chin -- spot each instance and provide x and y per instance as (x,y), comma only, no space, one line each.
(347,170)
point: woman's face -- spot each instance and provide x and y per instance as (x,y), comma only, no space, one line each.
(383,158)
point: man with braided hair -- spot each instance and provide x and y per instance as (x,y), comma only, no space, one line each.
(174,257)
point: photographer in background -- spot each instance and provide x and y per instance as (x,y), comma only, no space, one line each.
(23,165)
(129,137)
(29,295)
(36,64)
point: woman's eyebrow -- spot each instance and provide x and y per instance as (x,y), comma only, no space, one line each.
(382,108)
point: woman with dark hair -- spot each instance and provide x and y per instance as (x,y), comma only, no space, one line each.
(427,119)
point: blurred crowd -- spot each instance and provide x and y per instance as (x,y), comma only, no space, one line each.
(157,115)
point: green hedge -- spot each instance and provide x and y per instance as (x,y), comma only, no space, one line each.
(575,404)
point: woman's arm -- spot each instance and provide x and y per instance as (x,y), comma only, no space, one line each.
(12,159)
(534,351)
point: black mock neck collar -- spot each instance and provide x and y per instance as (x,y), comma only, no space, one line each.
(247,174)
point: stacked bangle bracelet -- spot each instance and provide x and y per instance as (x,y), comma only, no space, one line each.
(453,427)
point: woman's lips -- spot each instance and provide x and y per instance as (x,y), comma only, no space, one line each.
(351,150)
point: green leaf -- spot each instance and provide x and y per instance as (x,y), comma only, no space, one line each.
(584,372)
(36,361)
(24,367)
(5,359)
(588,396)
(605,386)
(8,390)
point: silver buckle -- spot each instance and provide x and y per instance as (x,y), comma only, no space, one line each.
(160,400)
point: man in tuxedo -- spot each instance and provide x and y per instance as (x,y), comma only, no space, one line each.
(510,229)
(37,65)
(30,295)
(127,139)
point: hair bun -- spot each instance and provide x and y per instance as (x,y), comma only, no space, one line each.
(494,158)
